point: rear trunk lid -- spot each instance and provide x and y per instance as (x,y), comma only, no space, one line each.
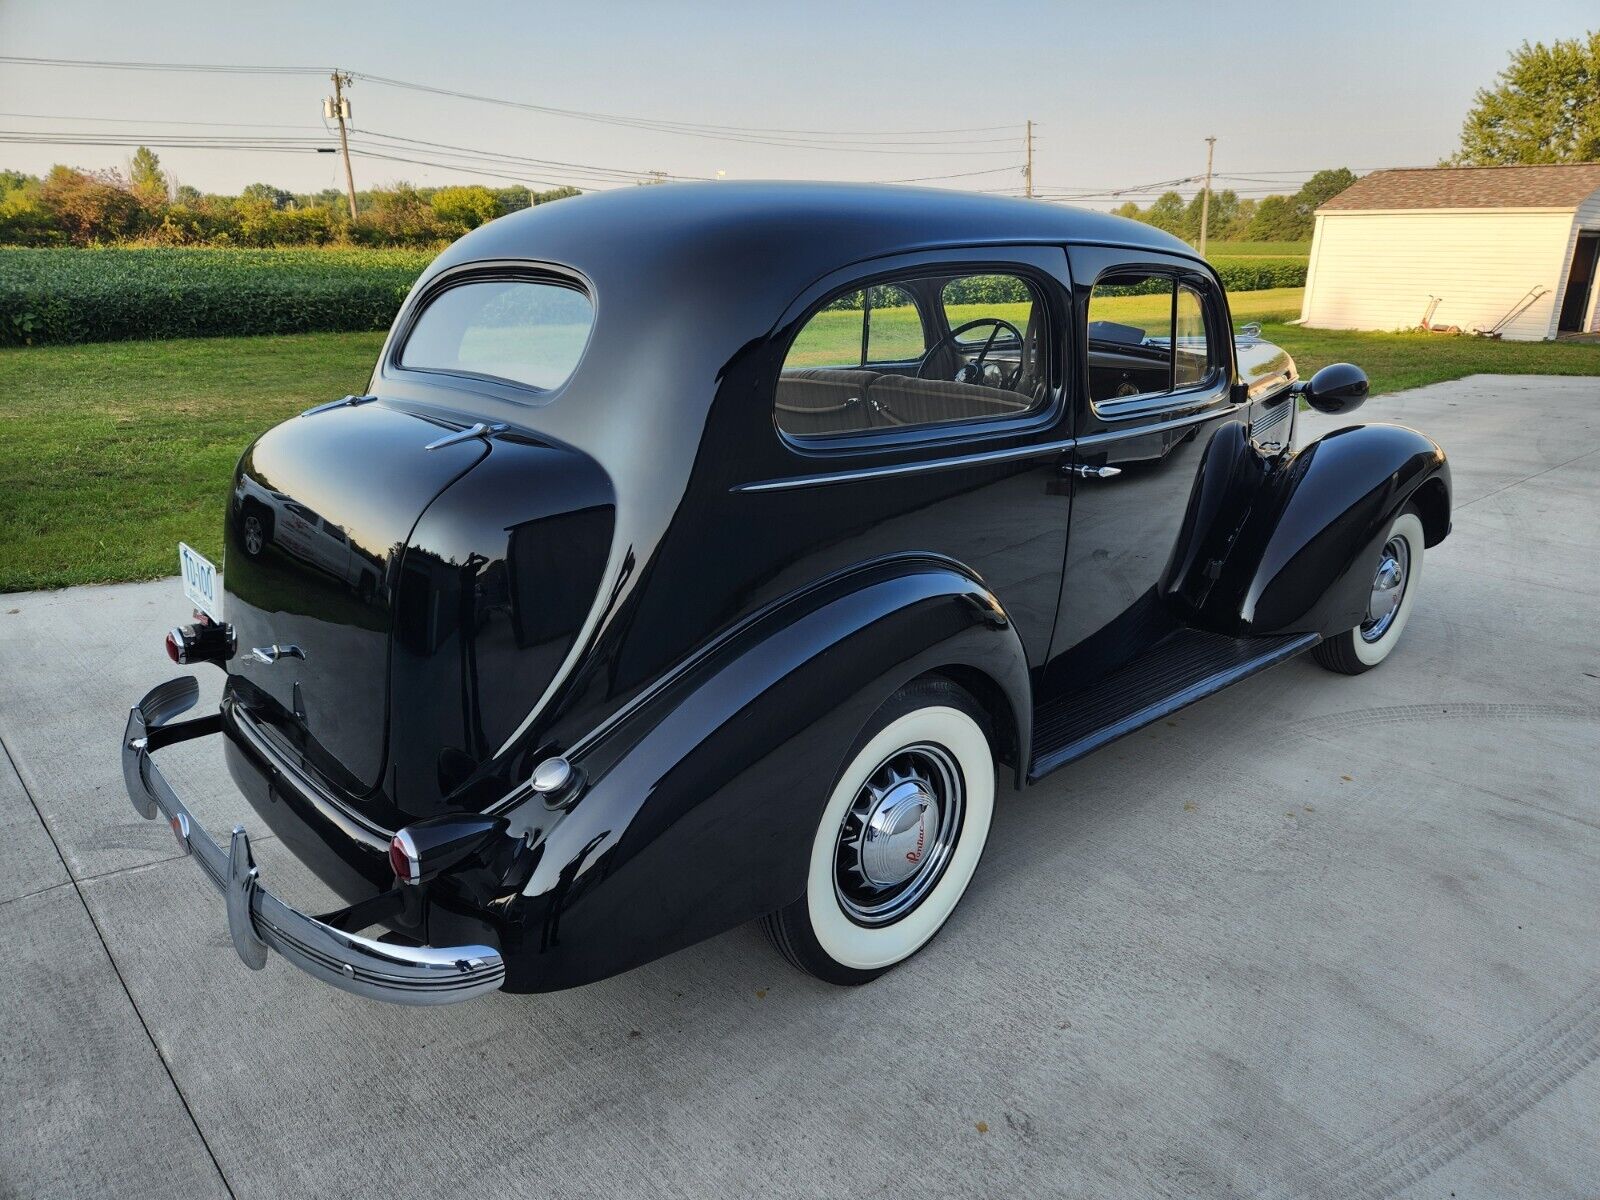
(322,507)
(412,606)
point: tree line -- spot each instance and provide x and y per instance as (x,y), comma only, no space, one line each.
(73,207)
(1286,218)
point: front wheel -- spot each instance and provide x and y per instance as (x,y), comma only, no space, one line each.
(1395,584)
(898,841)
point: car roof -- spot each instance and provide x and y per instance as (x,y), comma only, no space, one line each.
(783,228)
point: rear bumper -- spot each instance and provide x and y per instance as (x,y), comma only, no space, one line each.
(257,920)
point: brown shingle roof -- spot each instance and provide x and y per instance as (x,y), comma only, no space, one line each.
(1566,185)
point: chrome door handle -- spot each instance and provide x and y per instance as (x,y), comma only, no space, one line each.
(1087,472)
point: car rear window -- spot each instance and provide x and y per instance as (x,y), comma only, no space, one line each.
(526,331)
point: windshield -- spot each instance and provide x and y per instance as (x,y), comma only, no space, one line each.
(527,331)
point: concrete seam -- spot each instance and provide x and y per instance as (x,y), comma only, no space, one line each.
(1527,479)
(11,762)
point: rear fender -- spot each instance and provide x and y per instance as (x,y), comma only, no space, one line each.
(701,801)
(1288,544)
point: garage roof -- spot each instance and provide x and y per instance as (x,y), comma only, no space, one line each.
(1564,185)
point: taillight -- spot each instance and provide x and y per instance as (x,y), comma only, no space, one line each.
(425,848)
(403,858)
(205,641)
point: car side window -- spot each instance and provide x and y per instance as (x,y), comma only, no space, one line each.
(1147,336)
(920,352)
(872,325)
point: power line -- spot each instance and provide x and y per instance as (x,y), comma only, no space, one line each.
(155,121)
(820,139)
(114,65)
(687,127)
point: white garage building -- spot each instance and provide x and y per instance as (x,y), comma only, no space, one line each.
(1515,247)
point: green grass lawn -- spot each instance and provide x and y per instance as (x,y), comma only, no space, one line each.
(112,453)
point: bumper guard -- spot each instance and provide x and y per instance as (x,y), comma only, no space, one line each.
(258,920)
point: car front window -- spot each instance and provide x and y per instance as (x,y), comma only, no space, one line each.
(1147,336)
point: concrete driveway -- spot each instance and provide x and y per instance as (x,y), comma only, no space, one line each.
(1314,937)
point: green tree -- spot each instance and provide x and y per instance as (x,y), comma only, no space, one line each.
(513,199)
(1319,189)
(1224,208)
(25,220)
(560,193)
(90,207)
(1543,108)
(1275,220)
(1166,213)
(465,207)
(146,178)
(265,193)
(398,216)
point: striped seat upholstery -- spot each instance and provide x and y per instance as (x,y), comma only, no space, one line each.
(902,400)
(822,400)
(816,401)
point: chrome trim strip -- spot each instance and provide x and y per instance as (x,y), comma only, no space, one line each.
(335,809)
(258,921)
(1011,453)
(690,662)
(980,458)
(1106,437)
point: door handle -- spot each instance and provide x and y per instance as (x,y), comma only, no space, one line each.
(1088,472)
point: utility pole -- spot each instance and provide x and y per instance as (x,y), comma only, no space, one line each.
(339,108)
(1027,171)
(1205,197)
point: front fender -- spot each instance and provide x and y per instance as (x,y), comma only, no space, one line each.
(701,799)
(1288,544)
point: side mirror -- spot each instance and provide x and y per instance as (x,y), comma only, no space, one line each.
(1337,388)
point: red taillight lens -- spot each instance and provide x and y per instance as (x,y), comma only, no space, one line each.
(400,861)
(174,646)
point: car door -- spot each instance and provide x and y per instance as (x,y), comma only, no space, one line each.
(933,422)
(1152,385)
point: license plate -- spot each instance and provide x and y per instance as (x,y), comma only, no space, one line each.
(199,581)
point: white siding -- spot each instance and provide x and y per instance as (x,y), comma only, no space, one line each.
(1376,270)
(1588,221)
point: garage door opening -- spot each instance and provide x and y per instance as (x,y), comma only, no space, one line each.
(1576,303)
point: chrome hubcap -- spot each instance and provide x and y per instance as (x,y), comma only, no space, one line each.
(1388,589)
(896,839)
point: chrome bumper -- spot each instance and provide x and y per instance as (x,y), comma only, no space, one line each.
(257,919)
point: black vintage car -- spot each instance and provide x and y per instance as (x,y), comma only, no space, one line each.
(713,550)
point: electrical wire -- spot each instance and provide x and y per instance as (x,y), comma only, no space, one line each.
(864,141)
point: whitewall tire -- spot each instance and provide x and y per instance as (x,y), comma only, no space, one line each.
(1397,579)
(898,840)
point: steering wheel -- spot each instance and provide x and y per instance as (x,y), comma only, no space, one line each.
(950,339)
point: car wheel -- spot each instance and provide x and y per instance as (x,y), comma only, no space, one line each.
(899,839)
(254,531)
(1395,584)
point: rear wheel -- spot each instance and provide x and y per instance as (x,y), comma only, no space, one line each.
(1395,583)
(898,841)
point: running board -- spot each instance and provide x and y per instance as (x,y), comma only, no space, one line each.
(1181,668)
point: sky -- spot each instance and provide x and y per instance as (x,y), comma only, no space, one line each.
(1123,95)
